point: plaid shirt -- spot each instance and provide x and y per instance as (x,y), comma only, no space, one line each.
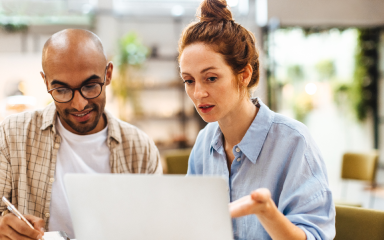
(28,152)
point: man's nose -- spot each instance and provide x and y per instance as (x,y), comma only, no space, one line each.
(78,102)
(200,91)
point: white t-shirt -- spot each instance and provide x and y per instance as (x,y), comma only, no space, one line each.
(77,154)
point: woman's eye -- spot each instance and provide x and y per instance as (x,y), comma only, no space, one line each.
(188,81)
(212,79)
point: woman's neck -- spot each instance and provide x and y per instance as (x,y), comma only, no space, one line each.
(235,125)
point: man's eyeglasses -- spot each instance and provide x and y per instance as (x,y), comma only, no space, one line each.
(88,91)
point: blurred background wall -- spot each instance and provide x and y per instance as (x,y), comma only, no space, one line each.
(322,64)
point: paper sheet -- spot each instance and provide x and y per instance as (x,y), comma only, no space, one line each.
(53,236)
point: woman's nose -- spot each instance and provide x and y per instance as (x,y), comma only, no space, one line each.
(200,91)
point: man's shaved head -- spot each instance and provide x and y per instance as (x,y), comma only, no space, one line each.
(72,41)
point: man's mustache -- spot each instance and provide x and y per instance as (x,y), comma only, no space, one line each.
(86,108)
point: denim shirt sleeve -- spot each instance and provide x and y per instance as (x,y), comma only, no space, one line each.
(306,199)
(313,220)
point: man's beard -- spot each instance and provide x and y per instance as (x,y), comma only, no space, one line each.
(83,128)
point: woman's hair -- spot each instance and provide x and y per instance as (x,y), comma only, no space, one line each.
(218,30)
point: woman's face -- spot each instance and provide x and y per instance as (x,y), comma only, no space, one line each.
(209,82)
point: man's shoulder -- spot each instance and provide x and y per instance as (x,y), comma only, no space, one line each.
(20,128)
(127,131)
(24,119)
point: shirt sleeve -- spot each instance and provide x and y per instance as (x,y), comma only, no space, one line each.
(306,199)
(316,218)
(5,173)
(155,166)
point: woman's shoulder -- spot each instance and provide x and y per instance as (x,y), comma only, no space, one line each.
(296,135)
(278,125)
(284,120)
(289,127)
(207,133)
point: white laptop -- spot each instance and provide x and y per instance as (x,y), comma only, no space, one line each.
(148,207)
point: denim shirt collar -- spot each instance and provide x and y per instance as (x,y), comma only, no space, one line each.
(217,139)
(254,138)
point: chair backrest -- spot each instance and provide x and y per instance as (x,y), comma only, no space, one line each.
(360,166)
(177,161)
(359,223)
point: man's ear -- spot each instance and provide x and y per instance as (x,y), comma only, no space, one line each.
(109,73)
(45,80)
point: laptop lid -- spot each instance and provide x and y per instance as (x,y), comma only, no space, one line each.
(114,206)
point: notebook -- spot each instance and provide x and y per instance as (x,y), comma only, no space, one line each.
(130,206)
(55,236)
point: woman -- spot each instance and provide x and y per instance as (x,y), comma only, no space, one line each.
(276,175)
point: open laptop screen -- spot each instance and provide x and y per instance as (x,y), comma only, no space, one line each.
(111,206)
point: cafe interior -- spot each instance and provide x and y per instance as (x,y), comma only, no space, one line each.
(322,63)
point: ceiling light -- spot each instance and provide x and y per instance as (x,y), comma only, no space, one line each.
(232,3)
(311,88)
(261,12)
(177,11)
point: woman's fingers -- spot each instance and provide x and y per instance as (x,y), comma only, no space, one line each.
(251,204)
(243,199)
(241,207)
(261,195)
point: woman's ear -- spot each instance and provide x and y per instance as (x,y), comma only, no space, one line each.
(246,75)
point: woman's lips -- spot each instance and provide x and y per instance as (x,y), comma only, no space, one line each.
(206,108)
(82,117)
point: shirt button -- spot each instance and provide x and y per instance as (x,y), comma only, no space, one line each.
(239,159)
(51,180)
(237,149)
(57,145)
(47,215)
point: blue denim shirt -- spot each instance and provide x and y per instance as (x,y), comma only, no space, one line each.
(277,153)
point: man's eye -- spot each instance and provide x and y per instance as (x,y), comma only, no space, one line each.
(62,90)
(89,86)
(188,81)
(212,79)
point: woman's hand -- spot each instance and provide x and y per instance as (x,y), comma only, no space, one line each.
(259,202)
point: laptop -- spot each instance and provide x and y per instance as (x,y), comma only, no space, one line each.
(148,207)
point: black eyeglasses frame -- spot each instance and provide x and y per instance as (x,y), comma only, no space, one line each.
(79,88)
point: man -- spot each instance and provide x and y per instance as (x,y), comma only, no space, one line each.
(73,135)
